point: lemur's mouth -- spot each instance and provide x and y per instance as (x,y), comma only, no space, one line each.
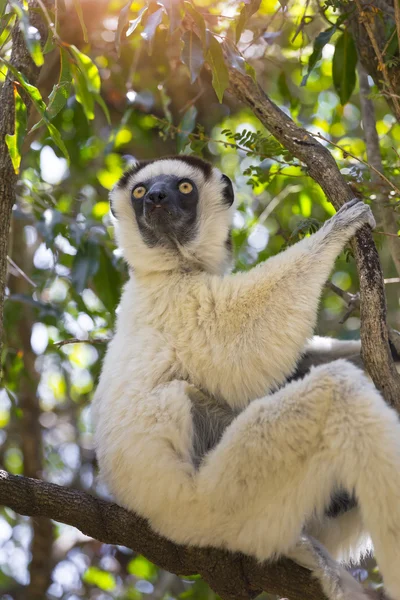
(158,214)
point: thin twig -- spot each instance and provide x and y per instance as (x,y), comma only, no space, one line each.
(352,300)
(20,271)
(290,189)
(49,21)
(79,341)
(386,46)
(389,234)
(392,280)
(302,23)
(192,101)
(381,175)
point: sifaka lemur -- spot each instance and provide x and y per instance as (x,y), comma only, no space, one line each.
(210,420)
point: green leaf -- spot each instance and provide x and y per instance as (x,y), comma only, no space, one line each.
(122,23)
(393,46)
(85,265)
(3,4)
(186,127)
(14,142)
(165,102)
(6,25)
(31,34)
(174,14)
(49,44)
(135,22)
(192,54)
(104,108)
(199,20)
(320,41)
(88,69)
(60,92)
(247,11)
(153,21)
(87,83)
(40,106)
(107,281)
(250,70)
(57,139)
(285,91)
(220,74)
(83,95)
(78,8)
(344,66)
(31,90)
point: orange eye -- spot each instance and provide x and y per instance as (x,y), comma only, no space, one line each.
(185,187)
(139,191)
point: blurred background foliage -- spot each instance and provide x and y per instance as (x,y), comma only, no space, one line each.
(120,82)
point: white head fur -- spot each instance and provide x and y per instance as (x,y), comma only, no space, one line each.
(208,249)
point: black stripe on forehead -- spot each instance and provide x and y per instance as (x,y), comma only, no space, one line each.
(193,161)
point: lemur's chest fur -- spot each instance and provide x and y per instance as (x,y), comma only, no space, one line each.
(178,334)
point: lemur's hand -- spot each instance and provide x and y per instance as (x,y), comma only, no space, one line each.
(355,214)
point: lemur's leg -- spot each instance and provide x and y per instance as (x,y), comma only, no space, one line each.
(335,581)
(285,454)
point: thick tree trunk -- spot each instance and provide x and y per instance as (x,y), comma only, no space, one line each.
(22,61)
(30,431)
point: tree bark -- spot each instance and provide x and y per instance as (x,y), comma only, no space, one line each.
(31,436)
(21,60)
(40,566)
(231,575)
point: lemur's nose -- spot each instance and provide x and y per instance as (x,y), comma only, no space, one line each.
(157,196)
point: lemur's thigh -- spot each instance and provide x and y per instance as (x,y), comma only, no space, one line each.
(282,458)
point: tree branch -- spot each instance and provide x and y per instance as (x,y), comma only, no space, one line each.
(324,170)
(231,575)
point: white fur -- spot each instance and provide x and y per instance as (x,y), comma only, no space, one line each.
(207,249)
(183,323)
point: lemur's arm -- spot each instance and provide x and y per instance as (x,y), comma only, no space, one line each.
(275,305)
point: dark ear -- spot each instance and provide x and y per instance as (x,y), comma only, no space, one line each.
(228,190)
(110,201)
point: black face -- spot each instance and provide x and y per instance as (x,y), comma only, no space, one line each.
(166,209)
